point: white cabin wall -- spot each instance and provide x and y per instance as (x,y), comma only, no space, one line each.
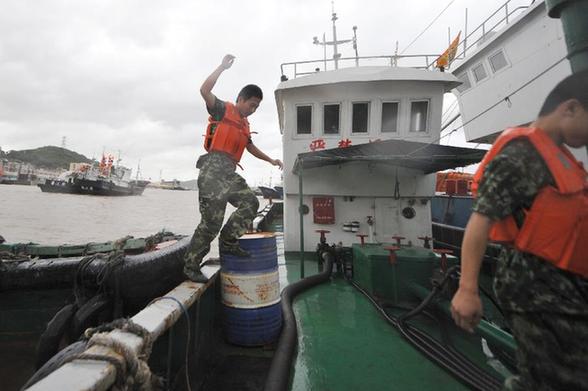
(347,93)
(386,213)
(531,45)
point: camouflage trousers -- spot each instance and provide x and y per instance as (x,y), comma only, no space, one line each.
(552,351)
(218,183)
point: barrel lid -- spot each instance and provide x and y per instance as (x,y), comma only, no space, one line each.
(257,235)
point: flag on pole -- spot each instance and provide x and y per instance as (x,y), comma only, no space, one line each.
(448,55)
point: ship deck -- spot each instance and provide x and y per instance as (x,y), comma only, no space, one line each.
(351,347)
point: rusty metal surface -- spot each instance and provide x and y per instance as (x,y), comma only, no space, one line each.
(250,290)
(157,317)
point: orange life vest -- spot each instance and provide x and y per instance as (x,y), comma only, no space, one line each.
(556,225)
(229,135)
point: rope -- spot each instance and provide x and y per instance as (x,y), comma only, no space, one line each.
(110,262)
(133,373)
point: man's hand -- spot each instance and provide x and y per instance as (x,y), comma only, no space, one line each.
(466,309)
(227,61)
(278,162)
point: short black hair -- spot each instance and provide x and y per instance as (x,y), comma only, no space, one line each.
(250,91)
(574,86)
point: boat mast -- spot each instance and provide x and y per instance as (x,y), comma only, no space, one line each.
(335,42)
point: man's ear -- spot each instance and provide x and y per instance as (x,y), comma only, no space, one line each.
(570,107)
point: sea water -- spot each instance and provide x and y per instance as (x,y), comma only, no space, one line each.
(29,215)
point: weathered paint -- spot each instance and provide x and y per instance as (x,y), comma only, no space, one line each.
(250,291)
(156,318)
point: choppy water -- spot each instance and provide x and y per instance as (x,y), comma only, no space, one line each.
(28,215)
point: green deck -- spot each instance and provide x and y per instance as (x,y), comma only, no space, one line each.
(351,347)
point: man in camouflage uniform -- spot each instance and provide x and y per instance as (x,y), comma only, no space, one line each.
(218,183)
(546,306)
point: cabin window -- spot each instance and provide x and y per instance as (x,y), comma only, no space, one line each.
(465,82)
(389,117)
(359,123)
(331,118)
(419,111)
(497,61)
(479,72)
(304,119)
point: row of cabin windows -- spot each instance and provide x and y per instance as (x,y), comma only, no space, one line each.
(419,111)
(497,61)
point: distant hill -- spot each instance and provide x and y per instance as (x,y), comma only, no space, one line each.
(48,157)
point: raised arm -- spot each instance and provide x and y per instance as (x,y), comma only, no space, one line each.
(466,307)
(206,88)
(260,155)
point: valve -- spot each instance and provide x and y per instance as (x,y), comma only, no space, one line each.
(398,240)
(392,256)
(443,252)
(323,238)
(426,241)
(362,238)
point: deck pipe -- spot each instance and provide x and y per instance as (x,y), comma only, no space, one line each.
(278,378)
(484,329)
(449,359)
(573,15)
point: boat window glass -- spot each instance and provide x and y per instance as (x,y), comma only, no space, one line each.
(465,82)
(390,117)
(418,116)
(479,72)
(497,61)
(331,119)
(304,119)
(360,117)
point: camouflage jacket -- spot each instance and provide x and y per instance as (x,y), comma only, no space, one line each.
(524,282)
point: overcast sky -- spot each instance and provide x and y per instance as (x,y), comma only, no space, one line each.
(124,75)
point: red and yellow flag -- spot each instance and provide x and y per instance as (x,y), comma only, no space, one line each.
(448,55)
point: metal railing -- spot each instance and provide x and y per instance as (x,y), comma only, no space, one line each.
(498,19)
(301,68)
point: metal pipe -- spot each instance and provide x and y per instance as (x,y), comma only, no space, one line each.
(573,16)
(301,213)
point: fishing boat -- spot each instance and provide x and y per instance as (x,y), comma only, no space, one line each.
(104,179)
(360,310)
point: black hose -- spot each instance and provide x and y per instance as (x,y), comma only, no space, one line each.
(278,378)
(434,292)
(448,359)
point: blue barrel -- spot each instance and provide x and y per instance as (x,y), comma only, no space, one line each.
(251,292)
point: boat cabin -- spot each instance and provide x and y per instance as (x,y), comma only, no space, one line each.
(361,151)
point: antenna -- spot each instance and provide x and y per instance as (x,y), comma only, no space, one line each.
(138,169)
(335,42)
(63,142)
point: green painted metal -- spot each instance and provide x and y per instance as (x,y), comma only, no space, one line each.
(373,271)
(573,15)
(344,344)
(131,245)
(485,329)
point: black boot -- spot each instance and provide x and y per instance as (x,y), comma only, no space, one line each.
(233,249)
(194,274)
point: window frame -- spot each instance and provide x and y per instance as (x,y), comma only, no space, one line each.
(427,117)
(398,115)
(494,54)
(469,82)
(339,131)
(481,63)
(368,121)
(304,135)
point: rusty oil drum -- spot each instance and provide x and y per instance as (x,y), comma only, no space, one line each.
(251,292)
